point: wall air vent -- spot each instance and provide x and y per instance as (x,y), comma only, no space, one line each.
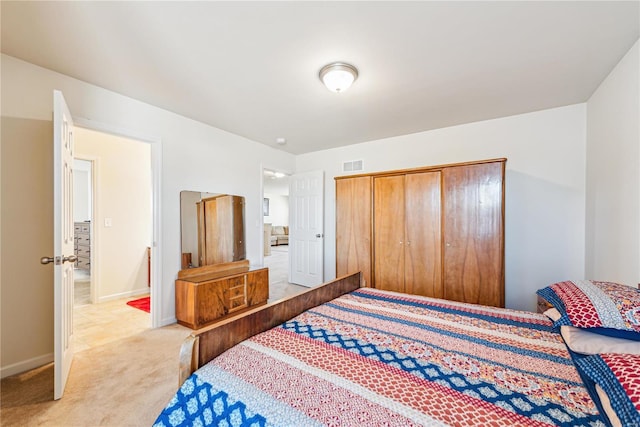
(353,166)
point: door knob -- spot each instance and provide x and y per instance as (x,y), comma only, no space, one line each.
(46,260)
(318,235)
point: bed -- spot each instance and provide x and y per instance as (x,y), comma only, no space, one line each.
(343,355)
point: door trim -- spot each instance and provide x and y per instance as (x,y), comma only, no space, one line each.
(156,187)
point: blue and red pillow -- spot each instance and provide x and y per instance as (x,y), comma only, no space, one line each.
(602,307)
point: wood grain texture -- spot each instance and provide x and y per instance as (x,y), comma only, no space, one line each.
(208,272)
(215,339)
(423,240)
(389,232)
(474,233)
(201,301)
(221,229)
(353,227)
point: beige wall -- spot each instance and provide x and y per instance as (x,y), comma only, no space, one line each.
(26,286)
(123,194)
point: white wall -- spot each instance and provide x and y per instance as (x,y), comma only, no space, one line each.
(195,156)
(278,209)
(123,177)
(545,187)
(613,175)
(81,190)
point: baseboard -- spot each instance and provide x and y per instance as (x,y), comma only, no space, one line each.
(168,321)
(25,365)
(134,293)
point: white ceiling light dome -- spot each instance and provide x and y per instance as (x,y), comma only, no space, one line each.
(338,76)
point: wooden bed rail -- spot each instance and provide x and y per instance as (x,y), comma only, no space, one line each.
(207,343)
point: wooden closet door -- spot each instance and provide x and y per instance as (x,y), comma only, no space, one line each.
(423,243)
(353,227)
(474,233)
(389,240)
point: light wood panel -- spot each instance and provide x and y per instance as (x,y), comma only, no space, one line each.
(389,215)
(423,254)
(353,227)
(474,234)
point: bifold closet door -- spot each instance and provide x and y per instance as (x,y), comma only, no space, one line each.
(474,233)
(353,227)
(389,243)
(423,238)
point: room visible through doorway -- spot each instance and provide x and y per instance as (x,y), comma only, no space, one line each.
(275,212)
(113,227)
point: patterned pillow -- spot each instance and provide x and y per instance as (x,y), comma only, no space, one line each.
(592,304)
(618,375)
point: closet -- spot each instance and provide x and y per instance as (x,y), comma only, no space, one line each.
(436,231)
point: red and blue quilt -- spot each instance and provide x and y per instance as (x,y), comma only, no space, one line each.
(376,358)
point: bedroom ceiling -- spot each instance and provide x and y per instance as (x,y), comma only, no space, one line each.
(251,68)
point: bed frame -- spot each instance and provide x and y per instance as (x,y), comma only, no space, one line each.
(207,343)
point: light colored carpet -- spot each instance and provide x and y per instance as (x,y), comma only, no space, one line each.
(123,373)
(122,383)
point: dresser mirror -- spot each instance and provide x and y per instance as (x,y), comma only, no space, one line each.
(212,228)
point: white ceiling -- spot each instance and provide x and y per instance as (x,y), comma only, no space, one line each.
(251,68)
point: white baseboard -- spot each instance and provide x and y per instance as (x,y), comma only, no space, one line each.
(25,365)
(128,294)
(168,321)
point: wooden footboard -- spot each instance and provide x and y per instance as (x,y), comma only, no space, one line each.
(205,344)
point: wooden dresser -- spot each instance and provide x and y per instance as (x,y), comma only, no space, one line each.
(209,294)
(82,245)
(436,231)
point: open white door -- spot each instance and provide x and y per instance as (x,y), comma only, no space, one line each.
(63,256)
(306,228)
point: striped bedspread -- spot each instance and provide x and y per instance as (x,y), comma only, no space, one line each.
(373,358)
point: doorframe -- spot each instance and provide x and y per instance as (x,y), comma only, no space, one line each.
(156,174)
(264,167)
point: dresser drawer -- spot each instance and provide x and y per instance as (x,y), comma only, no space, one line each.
(82,239)
(83,251)
(199,303)
(83,263)
(237,293)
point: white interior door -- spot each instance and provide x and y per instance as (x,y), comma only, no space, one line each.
(306,228)
(63,257)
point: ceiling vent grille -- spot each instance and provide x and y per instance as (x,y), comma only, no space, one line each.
(353,166)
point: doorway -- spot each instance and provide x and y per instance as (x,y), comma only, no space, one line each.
(275,213)
(114,206)
(83,218)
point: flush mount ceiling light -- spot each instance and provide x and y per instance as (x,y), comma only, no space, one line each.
(338,76)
